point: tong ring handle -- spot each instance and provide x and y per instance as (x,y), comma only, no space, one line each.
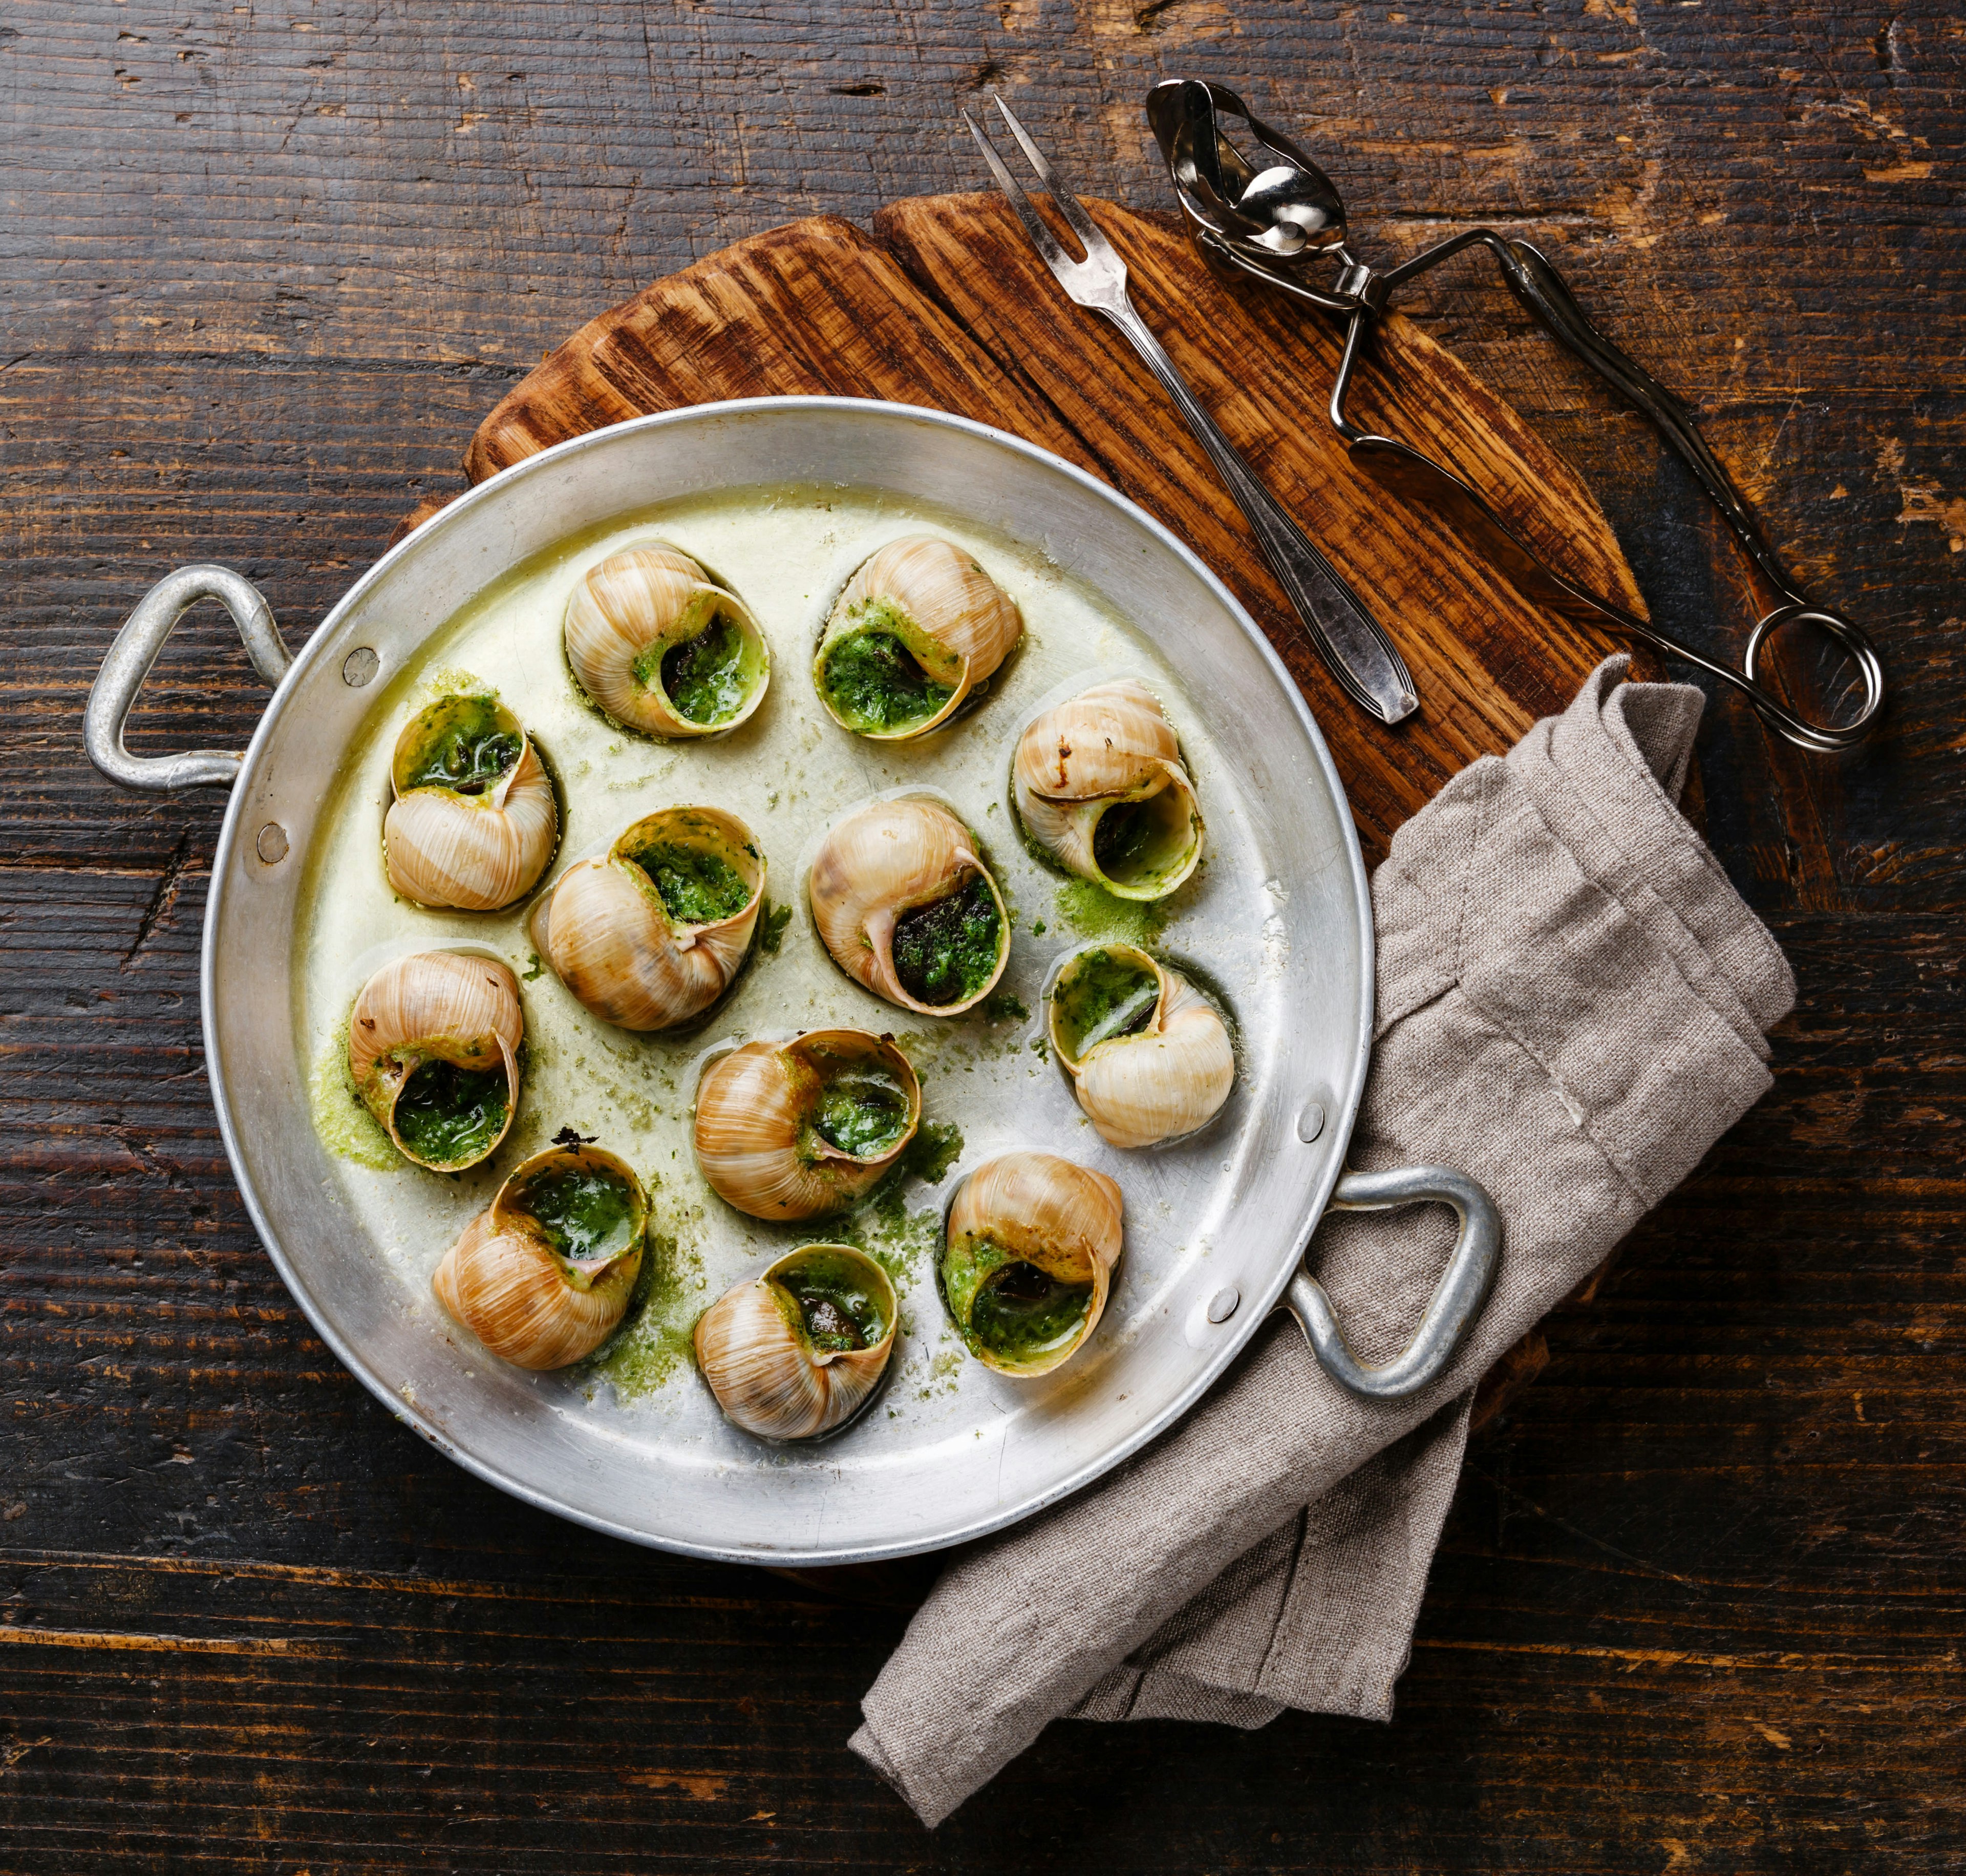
(1855,644)
(1541,288)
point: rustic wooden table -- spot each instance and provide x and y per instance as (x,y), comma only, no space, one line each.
(265,267)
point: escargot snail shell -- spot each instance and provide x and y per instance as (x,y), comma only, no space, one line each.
(757,1111)
(756,1344)
(628,613)
(479,845)
(1035,1209)
(617,945)
(526,1300)
(1153,1061)
(929,615)
(881,862)
(435,1007)
(1109,751)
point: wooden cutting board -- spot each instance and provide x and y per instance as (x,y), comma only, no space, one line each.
(946,305)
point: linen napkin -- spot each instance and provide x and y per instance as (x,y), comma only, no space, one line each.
(1571,1006)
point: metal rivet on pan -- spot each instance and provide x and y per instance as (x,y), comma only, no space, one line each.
(272,845)
(1310,1123)
(1222,1305)
(359,667)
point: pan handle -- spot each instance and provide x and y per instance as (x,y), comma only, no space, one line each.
(135,651)
(1451,1311)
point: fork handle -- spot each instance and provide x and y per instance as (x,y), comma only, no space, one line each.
(1367,666)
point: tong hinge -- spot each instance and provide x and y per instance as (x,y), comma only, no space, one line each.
(1358,281)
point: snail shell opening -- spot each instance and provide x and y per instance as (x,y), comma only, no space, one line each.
(798,1129)
(797,1352)
(915,631)
(473,822)
(650,933)
(433,1051)
(662,648)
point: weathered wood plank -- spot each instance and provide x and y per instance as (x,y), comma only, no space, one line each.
(288,274)
(815,307)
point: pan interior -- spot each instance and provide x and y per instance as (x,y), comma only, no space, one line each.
(630,1438)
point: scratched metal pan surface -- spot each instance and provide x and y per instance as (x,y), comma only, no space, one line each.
(781,497)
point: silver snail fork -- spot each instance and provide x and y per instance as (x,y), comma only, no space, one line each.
(1350,641)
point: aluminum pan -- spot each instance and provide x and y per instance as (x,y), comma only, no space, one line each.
(821,1509)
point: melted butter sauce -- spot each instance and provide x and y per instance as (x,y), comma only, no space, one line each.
(787,551)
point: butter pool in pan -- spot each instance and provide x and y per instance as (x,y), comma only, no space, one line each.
(988,1084)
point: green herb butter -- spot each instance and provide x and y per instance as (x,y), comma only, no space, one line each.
(947,951)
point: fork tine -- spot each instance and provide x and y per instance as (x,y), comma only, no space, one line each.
(1055,186)
(1060,262)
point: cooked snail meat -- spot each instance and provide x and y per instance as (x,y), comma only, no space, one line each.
(472,824)
(916,630)
(793,1129)
(465,744)
(650,933)
(433,1051)
(1100,784)
(906,907)
(798,1351)
(1027,1311)
(543,1275)
(1027,1266)
(661,647)
(1148,1055)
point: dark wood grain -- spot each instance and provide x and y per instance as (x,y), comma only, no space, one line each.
(1699,1604)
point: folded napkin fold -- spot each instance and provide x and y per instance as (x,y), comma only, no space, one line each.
(1572,1002)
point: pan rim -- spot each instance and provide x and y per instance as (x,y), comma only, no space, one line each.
(1255,1308)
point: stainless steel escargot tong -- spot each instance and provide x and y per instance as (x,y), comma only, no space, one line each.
(1274,214)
